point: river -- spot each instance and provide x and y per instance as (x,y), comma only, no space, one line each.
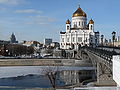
(31,76)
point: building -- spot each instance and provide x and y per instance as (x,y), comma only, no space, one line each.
(47,41)
(32,43)
(118,39)
(35,44)
(55,44)
(13,39)
(78,32)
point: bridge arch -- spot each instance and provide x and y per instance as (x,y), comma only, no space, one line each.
(103,67)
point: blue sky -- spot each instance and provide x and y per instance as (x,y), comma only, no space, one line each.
(39,19)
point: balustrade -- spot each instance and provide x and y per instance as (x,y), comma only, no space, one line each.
(105,54)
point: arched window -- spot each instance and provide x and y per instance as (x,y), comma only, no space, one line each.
(82,23)
(79,23)
(73,23)
(91,27)
(67,39)
(62,39)
(67,27)
(73,39)
(76,24)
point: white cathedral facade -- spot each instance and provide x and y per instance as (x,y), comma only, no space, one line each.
(78,32)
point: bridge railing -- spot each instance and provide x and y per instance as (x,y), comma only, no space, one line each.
(110,47)
(105,54)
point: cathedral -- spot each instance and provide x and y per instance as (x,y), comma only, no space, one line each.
(78,32)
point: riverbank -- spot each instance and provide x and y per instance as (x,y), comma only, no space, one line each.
(88,88)
(36,62)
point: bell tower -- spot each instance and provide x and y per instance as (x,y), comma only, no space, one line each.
(68,25)
(91,25)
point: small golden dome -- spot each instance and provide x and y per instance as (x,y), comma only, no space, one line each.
(68,21)
(79,12)
(91,22)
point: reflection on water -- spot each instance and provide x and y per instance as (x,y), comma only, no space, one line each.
(25,70)
(32,76)
(28,81)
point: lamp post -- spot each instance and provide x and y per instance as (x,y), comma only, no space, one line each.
(113,38)
(102,36)
(84,37)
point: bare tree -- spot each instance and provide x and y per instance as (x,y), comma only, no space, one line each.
(51,73)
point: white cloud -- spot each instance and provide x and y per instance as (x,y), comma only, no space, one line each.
(28,11)
(12,2)
(40,20)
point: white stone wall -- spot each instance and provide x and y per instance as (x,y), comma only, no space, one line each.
(116,69)
(80,22)
(76,37)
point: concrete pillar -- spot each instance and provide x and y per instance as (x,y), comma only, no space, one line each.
(104,76)
(98,72)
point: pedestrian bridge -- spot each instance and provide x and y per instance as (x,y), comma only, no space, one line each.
(101,58)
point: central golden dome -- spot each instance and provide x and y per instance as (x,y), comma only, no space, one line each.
(79,12)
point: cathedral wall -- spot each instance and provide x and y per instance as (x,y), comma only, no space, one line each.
(79,22)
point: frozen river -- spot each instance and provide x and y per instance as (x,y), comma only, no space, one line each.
(25,70)
(31,76)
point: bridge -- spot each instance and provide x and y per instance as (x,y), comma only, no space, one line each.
(101,58)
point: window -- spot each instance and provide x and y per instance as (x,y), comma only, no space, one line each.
(62,39)
(79,23)
(67,27)
(91,27)
(86,40)
(67,39)
(73,39)
(82,23)
(76,23)
(79,39)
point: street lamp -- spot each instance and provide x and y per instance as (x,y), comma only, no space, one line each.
(84,37)
(113,38)
(102,36)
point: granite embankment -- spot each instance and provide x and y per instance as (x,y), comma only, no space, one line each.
(36,62)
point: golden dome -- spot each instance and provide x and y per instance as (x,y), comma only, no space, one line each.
(91,22)
(68,21)
(79,12)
